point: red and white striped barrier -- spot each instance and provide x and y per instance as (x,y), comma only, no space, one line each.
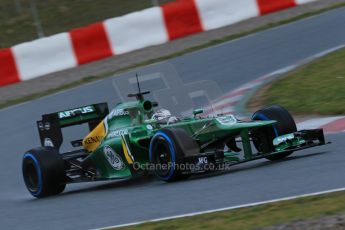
(152,26)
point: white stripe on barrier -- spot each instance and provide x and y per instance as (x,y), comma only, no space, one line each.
(44,56)
(216,14)
(300,2)
(136,30)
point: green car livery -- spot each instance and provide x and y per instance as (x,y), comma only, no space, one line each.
(136,138)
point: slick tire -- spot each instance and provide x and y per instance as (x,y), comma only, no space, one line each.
(168,148)
(263,138)
(44,172)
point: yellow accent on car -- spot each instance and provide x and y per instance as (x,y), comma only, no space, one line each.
(126,150)
(94,138)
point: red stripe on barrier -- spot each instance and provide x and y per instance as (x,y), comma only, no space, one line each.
(269,6)
(181,18)
(8,70)
(90,43)
(335,126)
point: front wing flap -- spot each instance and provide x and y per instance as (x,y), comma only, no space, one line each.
(295,141)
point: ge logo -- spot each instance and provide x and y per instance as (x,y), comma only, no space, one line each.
(113,158)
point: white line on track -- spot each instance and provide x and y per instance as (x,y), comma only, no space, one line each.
(226,208)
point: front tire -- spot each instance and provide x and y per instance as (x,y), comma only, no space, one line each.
(168,148)
(264,138)
(43,172)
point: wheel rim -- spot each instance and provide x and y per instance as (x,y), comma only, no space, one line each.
(31,177)
(32,174)
(162,159)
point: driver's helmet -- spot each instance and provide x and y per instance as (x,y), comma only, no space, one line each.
(164,116)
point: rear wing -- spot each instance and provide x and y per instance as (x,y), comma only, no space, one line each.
(50,126)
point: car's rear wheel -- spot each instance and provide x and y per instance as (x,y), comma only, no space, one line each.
(44,172)
(263,138)
(167,150)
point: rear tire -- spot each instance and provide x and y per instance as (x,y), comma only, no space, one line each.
(168,148)
(263,138)
(44,172)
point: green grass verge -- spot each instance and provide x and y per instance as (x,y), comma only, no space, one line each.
(316,88)
(258,216)
(151,61)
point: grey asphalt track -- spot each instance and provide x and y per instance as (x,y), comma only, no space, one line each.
(207,74)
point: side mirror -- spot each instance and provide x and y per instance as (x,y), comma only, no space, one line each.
(197,111)
(154,103)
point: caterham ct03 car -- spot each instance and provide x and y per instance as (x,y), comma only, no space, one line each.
(136,138)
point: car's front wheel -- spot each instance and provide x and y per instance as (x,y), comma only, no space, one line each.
(168,148)
(263,138)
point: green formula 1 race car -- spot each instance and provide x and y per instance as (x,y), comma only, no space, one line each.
(135,139)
